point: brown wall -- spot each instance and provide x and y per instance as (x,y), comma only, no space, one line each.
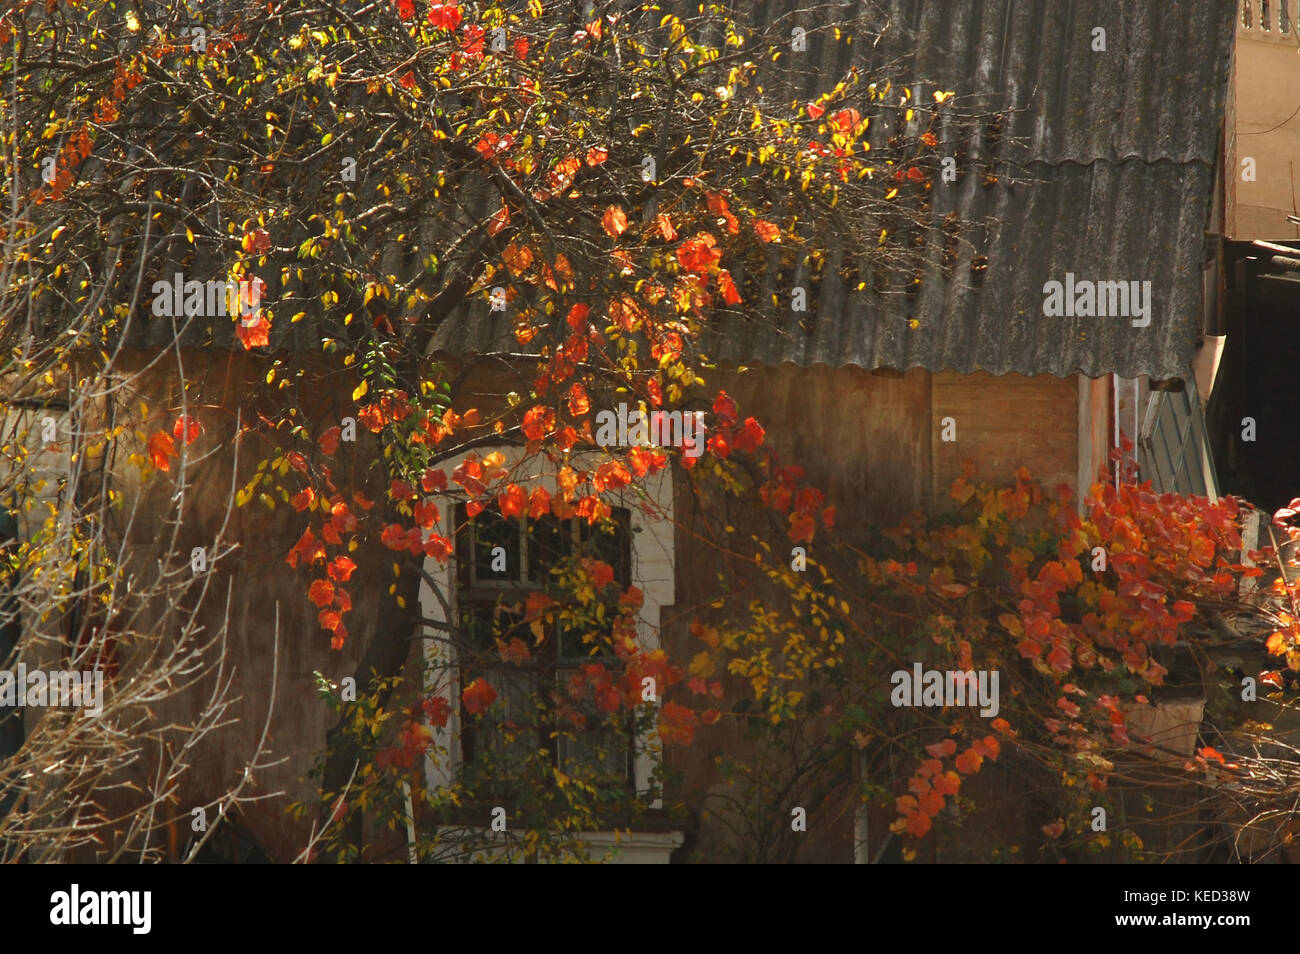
(1003,423)
(870,440)
(260,584)
(873,442)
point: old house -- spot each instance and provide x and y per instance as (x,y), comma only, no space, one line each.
(1082,294)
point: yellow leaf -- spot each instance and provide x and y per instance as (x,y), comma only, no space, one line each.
(702,665)
(361,390)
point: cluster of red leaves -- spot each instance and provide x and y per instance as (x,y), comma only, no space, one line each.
(728,434)
(1133,566)
(392,406)
(78,146)
(338,522)
(162,446)
(331,600)
(1285,640)
(787,492)
(417,733)
(933,784)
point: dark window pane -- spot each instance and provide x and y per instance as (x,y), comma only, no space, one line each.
(549,542)
(490,530)
(611,541)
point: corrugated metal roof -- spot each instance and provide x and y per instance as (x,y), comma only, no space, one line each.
(1112,157)
(1119,148)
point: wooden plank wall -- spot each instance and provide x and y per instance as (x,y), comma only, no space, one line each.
(1002,423)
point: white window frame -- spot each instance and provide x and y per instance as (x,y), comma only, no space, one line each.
(652,568)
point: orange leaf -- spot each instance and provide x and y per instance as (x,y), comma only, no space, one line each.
(1208,752)
(186,428)
(329,441)
(538,422)
(517,257)
(579,403)
(615,221)
(766,231)
(321,593)
(161,447)
(513,501)
(918,824)
(478,695)
(728,288)
(342,568)
(665,226)
(596,155)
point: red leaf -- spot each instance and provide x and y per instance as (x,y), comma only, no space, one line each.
(478,695)
(341,569)
(321,593)
(538,422)
(579,404)
(601,573)
(577,317)
(329,441)
(444,16)
(698,254)
(614,221)
(513,501)
(766,231)
(815,111)
(433,479)
(596,155)
(186,428)
(406,9)
(515,651)
(256,334)
(161,449)
(728,288)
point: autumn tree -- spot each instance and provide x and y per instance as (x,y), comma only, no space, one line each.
(597,187)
